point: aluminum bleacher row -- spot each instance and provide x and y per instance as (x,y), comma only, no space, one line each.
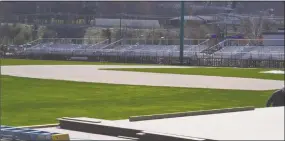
(255,52)
(25,134)
(238,52)
(75,49)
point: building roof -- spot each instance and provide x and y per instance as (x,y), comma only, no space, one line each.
(228,22)
(196,18)
(212,19)
(126,22)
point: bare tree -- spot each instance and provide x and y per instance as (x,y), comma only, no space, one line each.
(253,26)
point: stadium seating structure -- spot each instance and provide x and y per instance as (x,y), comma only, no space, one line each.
(238,52)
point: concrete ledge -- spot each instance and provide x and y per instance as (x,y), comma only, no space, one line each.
(39,126)
(191,113)
(68,118)
(97,128)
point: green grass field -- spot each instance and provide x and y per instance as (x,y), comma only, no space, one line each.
(225,72)
(27,101)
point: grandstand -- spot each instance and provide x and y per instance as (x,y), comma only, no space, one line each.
(246,49)
(137,36)
(65,47)
(228,48)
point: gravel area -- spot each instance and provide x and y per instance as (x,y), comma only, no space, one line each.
(92,73)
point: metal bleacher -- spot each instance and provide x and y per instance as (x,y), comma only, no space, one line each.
(117,47)
(255,52)
(229,48)
(25,134)
(247,48)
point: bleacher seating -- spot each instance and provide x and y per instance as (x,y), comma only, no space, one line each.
(265,52)
(238,52)
(77,49)
(255,52)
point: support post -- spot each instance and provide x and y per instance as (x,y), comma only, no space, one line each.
(120,25)
(181,32)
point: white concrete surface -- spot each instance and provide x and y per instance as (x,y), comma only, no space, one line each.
(75,135)
(274,72)
(92,73)
(258,124)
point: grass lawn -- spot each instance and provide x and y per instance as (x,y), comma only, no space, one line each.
(27,101)
(6,62)
(226,72)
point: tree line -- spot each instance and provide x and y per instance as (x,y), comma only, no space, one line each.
(113,7)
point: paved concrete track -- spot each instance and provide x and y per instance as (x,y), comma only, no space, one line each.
(92,73)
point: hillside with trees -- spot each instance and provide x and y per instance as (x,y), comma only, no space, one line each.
(143,8)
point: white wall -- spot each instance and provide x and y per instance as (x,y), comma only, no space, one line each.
(273,40)
(281,30)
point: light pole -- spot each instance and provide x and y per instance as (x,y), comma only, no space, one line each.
(181,32)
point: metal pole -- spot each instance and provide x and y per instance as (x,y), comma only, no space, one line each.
(121,25)
(181,32)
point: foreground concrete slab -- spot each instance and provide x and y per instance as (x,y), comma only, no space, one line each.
(258,124)
(92,73)
(111,129)
(75,135)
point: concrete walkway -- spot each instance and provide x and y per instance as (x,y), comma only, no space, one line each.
(92,73)
(258,124)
